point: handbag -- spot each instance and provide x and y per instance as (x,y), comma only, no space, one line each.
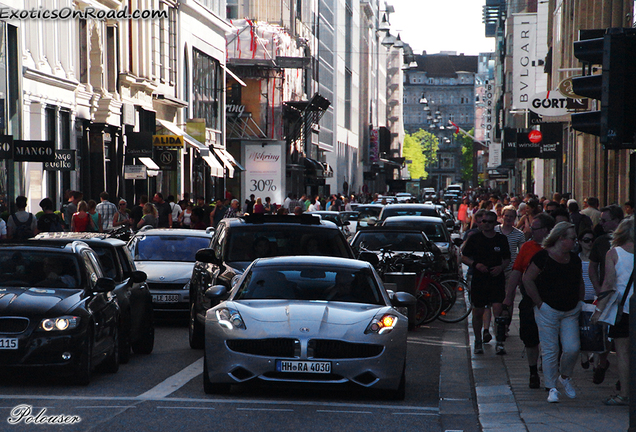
(613,299)
(592,335)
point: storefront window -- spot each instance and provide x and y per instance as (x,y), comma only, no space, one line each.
(206,89)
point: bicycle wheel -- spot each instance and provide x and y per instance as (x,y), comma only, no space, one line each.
(461,306)
(431,296)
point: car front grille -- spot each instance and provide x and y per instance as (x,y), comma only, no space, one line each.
(335,349)
(278,347)
(154,286)
(13,324)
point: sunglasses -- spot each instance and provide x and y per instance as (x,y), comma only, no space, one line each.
(587,240)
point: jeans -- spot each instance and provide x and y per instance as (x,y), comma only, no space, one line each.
(554,324)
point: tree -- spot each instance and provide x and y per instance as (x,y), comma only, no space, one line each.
(421,149)
(467,154)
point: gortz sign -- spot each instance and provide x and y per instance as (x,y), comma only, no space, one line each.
(33,151)
(553,103)
(64,161)
(167,141)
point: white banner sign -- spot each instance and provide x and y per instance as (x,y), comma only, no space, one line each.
(264,171)
(524,59)
(135,172)
(494,155)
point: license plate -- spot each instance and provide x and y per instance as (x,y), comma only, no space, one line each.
(8,343)
(303,366)
(165,298)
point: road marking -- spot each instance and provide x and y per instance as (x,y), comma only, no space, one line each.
(175,382)
(414,413)
(263,409)
(347,412)
(105,406)
(182,407)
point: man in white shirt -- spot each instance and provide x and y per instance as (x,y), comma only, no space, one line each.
(107,210)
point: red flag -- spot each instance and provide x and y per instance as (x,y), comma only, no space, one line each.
(455,126)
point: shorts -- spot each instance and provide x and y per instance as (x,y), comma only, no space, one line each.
(620,329)
(485,296)
(528,330)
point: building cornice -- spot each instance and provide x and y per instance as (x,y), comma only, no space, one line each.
(48,79)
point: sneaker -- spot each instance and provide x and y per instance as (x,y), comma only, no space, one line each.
(487,336)
(616,400)
(535,381)
(553,397)
(570,391)
(479,349)
(599,374)
(499,349)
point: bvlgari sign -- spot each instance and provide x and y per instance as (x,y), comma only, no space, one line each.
(33,151)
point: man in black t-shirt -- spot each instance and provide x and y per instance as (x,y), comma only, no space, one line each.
(164,210)
(488,254)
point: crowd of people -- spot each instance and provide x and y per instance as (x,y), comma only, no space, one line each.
(559,257)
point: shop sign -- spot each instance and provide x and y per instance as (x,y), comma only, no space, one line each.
(167,141)
(64,161)
(33,151)
(138,144)
(6,147)
(264,171)
(135,172)
(553,104)
(166,159)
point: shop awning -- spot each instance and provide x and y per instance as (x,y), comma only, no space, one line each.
(216,170)
(232,160)
(226,162)
(176,130)
(233,75)
(313,165)
(150,164)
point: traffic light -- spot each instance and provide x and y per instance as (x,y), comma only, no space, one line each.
(615,122)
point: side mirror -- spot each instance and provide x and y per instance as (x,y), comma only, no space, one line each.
(207,256)
(138,276)
(104,285)
(401,299)
(215,291)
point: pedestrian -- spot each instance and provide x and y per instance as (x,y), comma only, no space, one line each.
(218,212)
(164,211)
(269,207)
(176,211)
(258,206)
(71,207)
(106,210)
(554,282)
(542,224)
(197,219)
(49,221)
(462,214)
(150,216)
(487,252)
(611,217)
(233,211)
(619,276)
(81,220)
(581,222)
(96,225)
(249,204)
(22,224)
(137,211)
(628,208)
(592,210)
(185,217)
(122,218)
(586,238)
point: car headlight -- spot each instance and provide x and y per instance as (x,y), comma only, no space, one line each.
(60,323)
(229,318)
(384,324)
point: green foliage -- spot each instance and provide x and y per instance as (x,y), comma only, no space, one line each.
(421,149)
(467,155)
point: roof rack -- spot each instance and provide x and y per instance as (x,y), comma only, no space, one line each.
(303,219)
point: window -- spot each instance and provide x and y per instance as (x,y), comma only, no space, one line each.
(111,55)
(206,89)
(83,52)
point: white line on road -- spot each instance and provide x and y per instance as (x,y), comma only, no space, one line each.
(263,409)
(175,382)
(182,407)
(346,412)
(105,406)
(414,413)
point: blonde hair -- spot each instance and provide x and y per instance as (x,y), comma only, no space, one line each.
(559,231)
(150,209)
(624,232)
(82,206)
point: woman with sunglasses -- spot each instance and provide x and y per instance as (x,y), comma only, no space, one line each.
(586,238)
(121,216)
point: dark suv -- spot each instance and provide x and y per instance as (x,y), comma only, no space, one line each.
(238,241)
(133,296)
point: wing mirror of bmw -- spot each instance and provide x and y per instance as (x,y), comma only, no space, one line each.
(138,276)
(104,285)
(207,256)
(215,291)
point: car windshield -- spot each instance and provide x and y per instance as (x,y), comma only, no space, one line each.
(434,231)
(408,211)
(38,269)
(396,241)
(250,242)
(168,247)
(367,212)
(311,283)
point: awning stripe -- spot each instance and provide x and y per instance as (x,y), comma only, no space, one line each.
(226,162)
(203,149)
(215,168)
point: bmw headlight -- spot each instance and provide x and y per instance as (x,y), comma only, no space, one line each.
(229,318)
(59,324)
(383,324)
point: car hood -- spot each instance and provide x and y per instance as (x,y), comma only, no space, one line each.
(37,301)
(166,272)
(335,319)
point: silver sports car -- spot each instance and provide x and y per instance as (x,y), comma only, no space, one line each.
(307,319)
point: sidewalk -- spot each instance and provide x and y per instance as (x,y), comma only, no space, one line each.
(506,403)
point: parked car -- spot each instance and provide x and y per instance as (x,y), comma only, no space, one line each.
(167,256)
(335,217)
(133,296)
(57,311)
(368,214)
(307,319)
(429,194)
(435,230)
(239,241)
(403,197)
(411,209)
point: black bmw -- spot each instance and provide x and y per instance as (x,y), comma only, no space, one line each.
(57,311)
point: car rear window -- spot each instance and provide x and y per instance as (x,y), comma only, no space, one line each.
(395,241)
(387,212)
(311,283)
(39,269)
(246,243)
(434,231)
(167,248)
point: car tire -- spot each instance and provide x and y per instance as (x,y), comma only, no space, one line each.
(210,387)
(195,331)
(146,343)
(111,363)
(82,375)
